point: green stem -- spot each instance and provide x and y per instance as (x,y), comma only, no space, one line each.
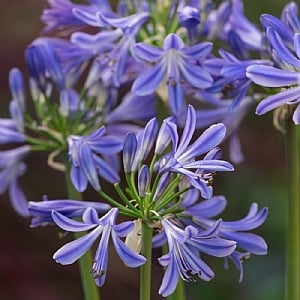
(145,274)
(90,290)
(293,227)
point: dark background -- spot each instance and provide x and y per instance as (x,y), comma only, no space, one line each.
(27,270)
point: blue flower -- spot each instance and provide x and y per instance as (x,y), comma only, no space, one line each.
(11,168)
(286,75)
(202,213)
(183,258)
(105,226)
(41,211)
(175,62)
(229,23)
(183,157)
(85,154)
(60,16)
(112,46)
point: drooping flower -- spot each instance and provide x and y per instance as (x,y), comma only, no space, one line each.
(203,212)
(85,154)
(105,226)
(183,258)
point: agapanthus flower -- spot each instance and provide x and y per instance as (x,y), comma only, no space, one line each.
(85,154)
(183,258)
(106,227)
(230,73)
(175,63)
(41,211)
(204,211)
(229,23)
(11,168)
(284,74)
(59,15)
(56,61)
(183,157)
(113,46)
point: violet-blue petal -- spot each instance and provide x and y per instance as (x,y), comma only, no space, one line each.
(106,171)
(198,51)
(171,276)
(72,251)
(106,145)
(145,52)
(176,98)
(16,85)
(209,139)
(214,246)
(78,179)
(129,151)
(212,165)
(68,224)
(281,49)
(129,257)
(149,80)
(271,77)
(188,130)
(163,139)
(208,208)
(143,180)
(196,76)
(277,100)
(248,241)
(173,41)
(17,197)
(87,164)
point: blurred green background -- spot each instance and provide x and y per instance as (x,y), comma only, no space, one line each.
(27,271)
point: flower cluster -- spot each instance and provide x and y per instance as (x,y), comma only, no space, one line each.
(139,95)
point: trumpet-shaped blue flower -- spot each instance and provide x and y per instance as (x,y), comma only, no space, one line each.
(183,157)
(105,226)
(85,154)
(41,211)
(183,259)
(175,63)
